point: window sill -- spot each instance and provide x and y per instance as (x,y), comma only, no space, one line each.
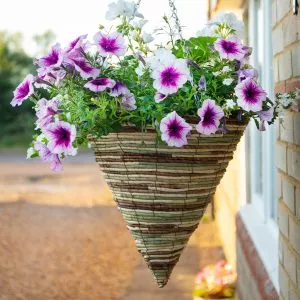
(265,238)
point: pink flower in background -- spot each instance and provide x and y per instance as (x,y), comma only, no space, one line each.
(110,44)
(250,95)
(210,115)
(119,89)
(128,102)
(100,84)
(174,130)
(85,70)
(61,136)
(47,156)
(159,97)
(230,48)
(170,76)
(52,60)
(78,44)
(45,111)
(23,91)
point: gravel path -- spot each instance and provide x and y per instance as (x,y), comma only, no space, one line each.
(62,238)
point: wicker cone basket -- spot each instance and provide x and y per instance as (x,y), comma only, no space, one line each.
(162,192)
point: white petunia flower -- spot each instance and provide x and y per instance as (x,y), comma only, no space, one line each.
(226,69)
(122,8)
(227,81)
(140,23)
(30,152)
(147,37)
(230,20)
(230,104)
(140,69)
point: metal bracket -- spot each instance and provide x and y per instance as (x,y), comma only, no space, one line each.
(295,7)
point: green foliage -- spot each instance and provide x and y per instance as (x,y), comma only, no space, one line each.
(14,65)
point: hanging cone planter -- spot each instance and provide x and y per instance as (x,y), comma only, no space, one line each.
(162,192)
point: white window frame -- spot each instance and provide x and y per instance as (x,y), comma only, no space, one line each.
(260,214)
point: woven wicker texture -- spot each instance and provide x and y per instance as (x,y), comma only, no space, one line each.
(162,192)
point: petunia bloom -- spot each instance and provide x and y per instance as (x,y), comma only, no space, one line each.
(247,73)
(174,130)
(78,44)
(202,83)
(23,91)
(171,76)
(159,97)
(119,89)
(45,111)
(265,116)
(47,156)
(210,115)
(100,84)
(52,60)
(122,8)
(230,48)
(85,70)
(61,136)
(110,44)
(250,95)
(128,102)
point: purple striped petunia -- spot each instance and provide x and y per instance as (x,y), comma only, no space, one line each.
(47,156)
(23,91)
(250,95)
(230,48)
(61,136)
(119,89)
(45,111)
(110,44)
(52,60)
(100,84)
(174,130)
(210,115)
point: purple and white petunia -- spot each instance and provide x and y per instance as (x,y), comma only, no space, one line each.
(47,156)
(210,115)
(78,44)
(23,91)
(128,102)
(100,84)
(174,130)
(110,44)
(45,111)
(85,70)
(159,97)
(230,48)
(250,95)
(265,116)
(52,60)
(61,136)
(247,73)
(119,89)
(170,76)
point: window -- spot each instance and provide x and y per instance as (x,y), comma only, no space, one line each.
(260,145)
(260,215)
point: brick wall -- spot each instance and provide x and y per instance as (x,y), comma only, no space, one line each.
(286,48)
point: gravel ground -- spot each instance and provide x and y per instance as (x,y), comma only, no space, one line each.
(62,238)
